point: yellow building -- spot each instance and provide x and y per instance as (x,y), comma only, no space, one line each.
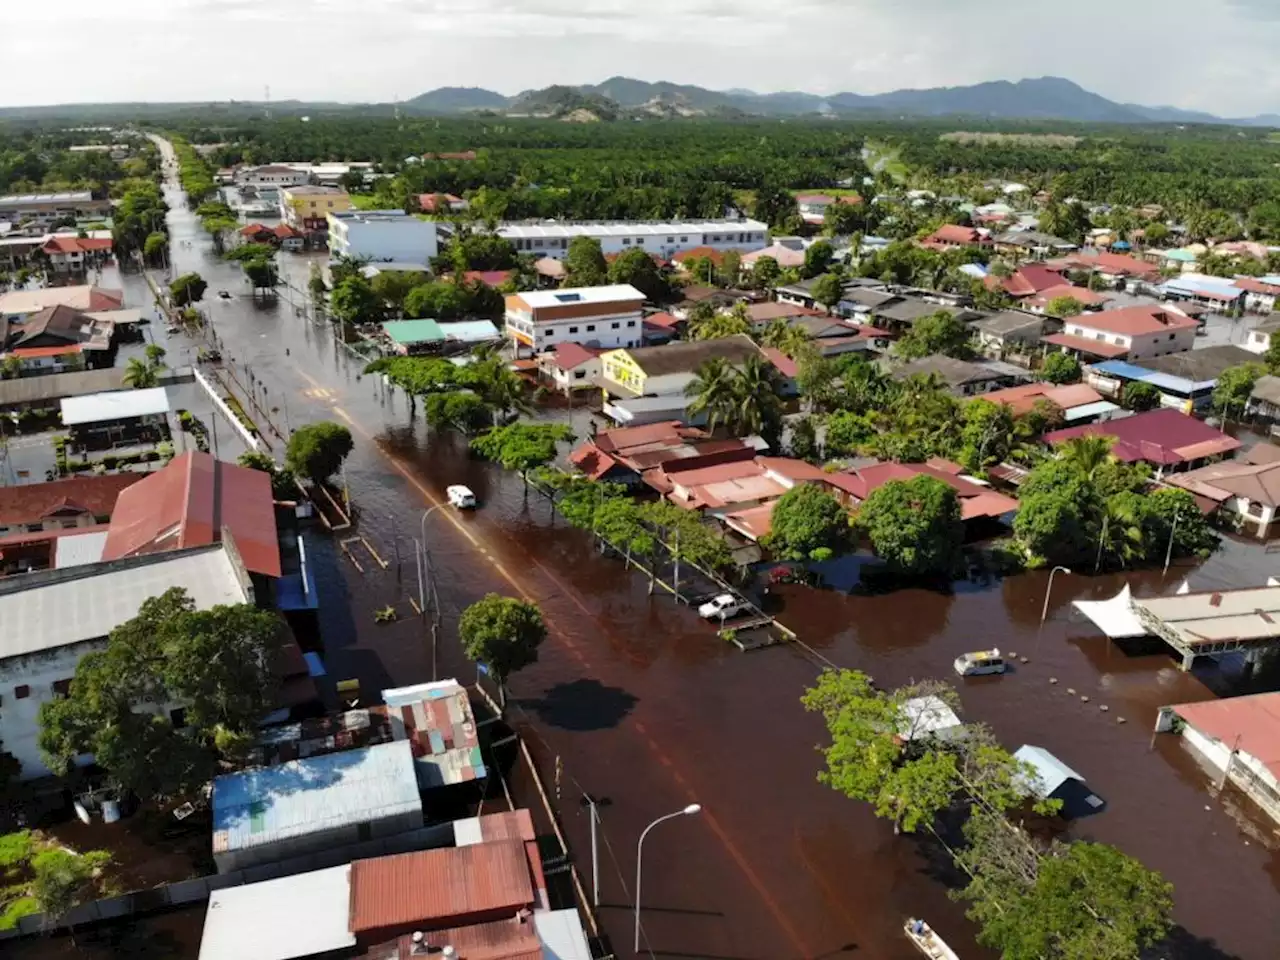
(668,370)
(307,208)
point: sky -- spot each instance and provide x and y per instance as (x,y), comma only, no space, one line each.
(1214,55)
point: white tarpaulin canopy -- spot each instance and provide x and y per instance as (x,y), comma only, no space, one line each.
(1114,617)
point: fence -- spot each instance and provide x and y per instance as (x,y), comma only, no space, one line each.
(220,405)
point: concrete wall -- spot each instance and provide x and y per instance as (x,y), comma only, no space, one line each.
(19,728)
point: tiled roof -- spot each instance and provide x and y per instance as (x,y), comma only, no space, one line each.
(952,233)
(1096,348)
(781,362)
(189,502)
(1023,399)
(1254,285)
(76,244)
(686,357)
(711,253)
(1159,436)
(569,355)
(33,502)
(1117,264)
(975,500)
(1259,483)
(1134,321)
(664,320)
(1082,295)
(764,312)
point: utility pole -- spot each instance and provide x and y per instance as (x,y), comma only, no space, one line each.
(1168,554)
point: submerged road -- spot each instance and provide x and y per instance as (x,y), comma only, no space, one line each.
(643,705)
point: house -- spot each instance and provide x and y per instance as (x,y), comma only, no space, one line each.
(441,203)
(621,455)
(1260,293)
(57,339)
(1213,293)
(1090,300)
(409,337)
(550,271)
(571,366)
(1131,333)
(1079,402)
(1032,244)
(1180,260)
(73,503)
(900,314)
(786,257)
(762,314)
(1111,267)
(1010,332)
(662,328)
(52,618)
(490,278)
(950,236)
(257,233)
(813,206)
(101,421)
(1246,490)
(313,804)
(196,500)
(667,370)
(1238,738)
(607,317)
(1259,340)
(273,176)
(962,378)
(376,235)
(1051,779)
(1265,399)
(727,481)
(306,209)
(76,254)
(686,259)
(1026,281)
(1165,439)
(17,305)
(978,502)
(1185,380)
(551,238)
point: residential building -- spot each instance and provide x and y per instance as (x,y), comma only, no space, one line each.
(728,481)
(1113,268)
(762,314)
(667,370)
(47,207)
(604,317)
(73,503)
(978,502)
(962,378)
(317,803)
(813,206)
(76,254)
(950,236)
(571,366)
(17,305)
(410,337)
(101,422)
(1079,402)
(900,314)
(1132,333)
(1090,301)
(60,327)
(382,235)
(272,176)
(1185,380)
(1033,244)
(1265,400)
(787,257)
(52,618)
(306,209)
(1165,439)
(622,455)
(1213,293)
(1247,490)
(1048,778)
(551,238)
(1260,293)
(1238,738)
(1026,281)
(1011,332)
(39,393)
(1259,340)
(441,203)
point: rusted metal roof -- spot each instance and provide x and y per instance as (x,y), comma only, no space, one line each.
(434,888)
(514,939)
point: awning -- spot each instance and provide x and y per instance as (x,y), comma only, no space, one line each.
(1114,617)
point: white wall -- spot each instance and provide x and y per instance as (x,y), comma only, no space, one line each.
(1258,342)
(607,330)
(731,237)
(404,241)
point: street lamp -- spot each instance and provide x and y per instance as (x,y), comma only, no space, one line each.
(688,811)
(1044,612)
(422,563)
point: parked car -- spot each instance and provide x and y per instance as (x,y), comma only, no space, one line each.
(461,497)
(721,608)
(980,663)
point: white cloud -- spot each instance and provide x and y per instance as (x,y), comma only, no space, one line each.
(1204,54)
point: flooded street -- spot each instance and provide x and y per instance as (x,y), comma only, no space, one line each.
(643,705)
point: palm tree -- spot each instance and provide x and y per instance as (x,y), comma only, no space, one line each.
(140,375)
(499,387)
(712,391)
(1121,535)
(1087,453)
(755,406)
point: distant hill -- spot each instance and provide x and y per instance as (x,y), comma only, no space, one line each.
(458,99)
(565,103)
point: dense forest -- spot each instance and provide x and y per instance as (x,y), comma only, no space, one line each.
(36,159)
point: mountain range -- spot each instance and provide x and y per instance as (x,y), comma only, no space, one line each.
(1046,98)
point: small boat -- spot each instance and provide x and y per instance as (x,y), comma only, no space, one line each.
(927,941)
(979,663)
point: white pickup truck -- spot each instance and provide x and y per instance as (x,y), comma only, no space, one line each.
(721,608)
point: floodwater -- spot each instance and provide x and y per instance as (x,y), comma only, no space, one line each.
(645,707)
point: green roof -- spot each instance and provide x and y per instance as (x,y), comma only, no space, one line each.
(405,332)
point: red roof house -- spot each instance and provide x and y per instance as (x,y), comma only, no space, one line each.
(1109,264)
(976,500)
(951,235)
(70,502)
(490,278)
(1249,724)
(189,503)
(1026,281)
(1162,438)
(73,245)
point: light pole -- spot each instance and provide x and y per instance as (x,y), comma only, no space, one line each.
(1168,554)
(594,803)
(688,811)
(1044,612)
(423,563)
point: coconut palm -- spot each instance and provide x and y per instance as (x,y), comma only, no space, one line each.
(140,375)
(499,387)
(755,407)
(712,390)
(1087,453)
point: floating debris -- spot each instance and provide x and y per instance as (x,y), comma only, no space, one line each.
(1084,699)
(1013,653)
(1024,660)
(1103,707)
(1053,680)
(1120,720)
(1071,691)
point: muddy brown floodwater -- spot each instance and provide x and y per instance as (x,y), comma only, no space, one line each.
(644,706)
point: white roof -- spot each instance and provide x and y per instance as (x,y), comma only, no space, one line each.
(561,934)
(56,608)
(1249,613)
(1114,617)
(537,299)
(75,196)
(923,716)
(1050,772)
(298,916)
(116,405)
(79,549)
(628,228)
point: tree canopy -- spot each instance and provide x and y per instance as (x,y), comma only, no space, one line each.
(808,523)
(502,633)
(1060,368)
(914,525)
(316,450)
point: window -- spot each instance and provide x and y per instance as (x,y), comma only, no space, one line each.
(579,374)
(684,239)
(549,333)
(591,328)
(573,329)
(631,323)
(616,325)
(1172,335)
(639,241)
(626,241)
(671,239)
(22,691)
(1099,336)
(61,687)
(178,717)
(1119,341)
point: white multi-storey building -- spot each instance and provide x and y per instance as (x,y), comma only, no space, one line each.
(551,238)
(382,236)
(605,317)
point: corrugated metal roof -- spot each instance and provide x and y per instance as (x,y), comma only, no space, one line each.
(469,331)
(514,939)
(562,935)
(294,799)
(79,549)
(436,719)
(299,916)
(114,406)
(1249,724)
(433,887)
(405,332)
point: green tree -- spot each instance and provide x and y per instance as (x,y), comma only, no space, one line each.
(459,410)
(585,263)
(1060,368)
(216,663)
(155,246)
(939,332)
(140,375)
(1140,395)
(817,259)
(848,433)
(187,289)
(775,206)
(1234,387)
(828,290)
(764,273)
(808,523)
(392,286)
(1064,306)
(1069,221)
(522,446)
(503,634)
(914,525)
(353,301)
(804,439)
(316,285)
(989,434)
(316,450)
(636,267)
(62,880)
(283,486)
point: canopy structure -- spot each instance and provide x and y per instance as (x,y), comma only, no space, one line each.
(1114,617)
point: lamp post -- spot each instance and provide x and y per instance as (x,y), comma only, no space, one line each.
(1168,554)
(423,564)
(688,811)
(1044,612)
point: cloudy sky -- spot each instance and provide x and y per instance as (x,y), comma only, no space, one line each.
(1215,55)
